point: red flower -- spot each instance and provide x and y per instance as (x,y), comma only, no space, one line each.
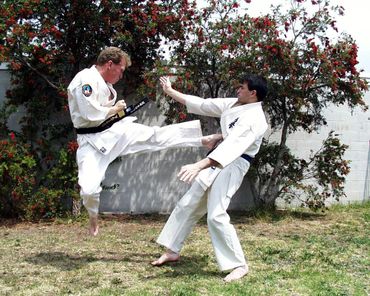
(182,116)
(72,146)
(12,136)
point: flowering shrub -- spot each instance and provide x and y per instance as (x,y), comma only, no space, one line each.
(306,72)
(62,180)
(44,203)
(326,167)
(209,49)
(22,195)
(17,176)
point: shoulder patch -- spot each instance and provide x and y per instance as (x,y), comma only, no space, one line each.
(86,90)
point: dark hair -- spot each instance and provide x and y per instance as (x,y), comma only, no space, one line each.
(257,83)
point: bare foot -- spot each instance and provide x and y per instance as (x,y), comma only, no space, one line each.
(169,256)
(236,274)
(93,226)
(211,141)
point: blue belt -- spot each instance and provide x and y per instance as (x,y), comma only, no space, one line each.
(247,157)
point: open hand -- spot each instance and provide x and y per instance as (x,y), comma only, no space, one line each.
(189,172)
(165,83)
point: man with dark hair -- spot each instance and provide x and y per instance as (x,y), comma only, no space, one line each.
(92,104)
(218,176)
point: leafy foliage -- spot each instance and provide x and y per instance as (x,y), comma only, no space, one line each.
(309,65)
(23,194)
(17,176)
(310,182)
(307,69)
(47,42)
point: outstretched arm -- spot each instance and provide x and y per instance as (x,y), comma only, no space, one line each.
(190,171)
(208,141)
(167,88)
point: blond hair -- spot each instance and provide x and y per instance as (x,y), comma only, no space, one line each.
(113,54)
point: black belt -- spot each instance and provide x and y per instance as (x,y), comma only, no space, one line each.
(247,157)
(112,120)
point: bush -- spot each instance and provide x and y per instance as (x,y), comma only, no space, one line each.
(17,176)
(44,203)
(62,179)
(22,195)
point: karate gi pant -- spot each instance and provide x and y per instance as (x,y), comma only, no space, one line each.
(92,164)
(215,200)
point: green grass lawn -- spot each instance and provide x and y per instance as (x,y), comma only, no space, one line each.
(289,253)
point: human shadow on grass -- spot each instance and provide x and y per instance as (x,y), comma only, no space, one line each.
(187,266)
(196,265)
(251,217)
(68,262)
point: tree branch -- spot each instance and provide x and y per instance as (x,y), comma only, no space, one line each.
(38,73)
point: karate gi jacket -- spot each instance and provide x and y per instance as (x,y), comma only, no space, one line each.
(89,100)
(242,128)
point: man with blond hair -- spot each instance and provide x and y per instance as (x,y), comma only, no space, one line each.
(92,104)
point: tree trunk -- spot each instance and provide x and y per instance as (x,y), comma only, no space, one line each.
(76,207)
(271,192)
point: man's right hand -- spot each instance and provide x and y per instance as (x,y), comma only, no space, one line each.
(165,83)
(174,94)
(118,107)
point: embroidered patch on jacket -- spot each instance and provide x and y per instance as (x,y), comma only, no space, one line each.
(86,90)
(231,125)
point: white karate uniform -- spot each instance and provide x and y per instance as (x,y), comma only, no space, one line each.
(242,128)
(90,99)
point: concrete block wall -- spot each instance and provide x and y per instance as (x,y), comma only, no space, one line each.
(353,129)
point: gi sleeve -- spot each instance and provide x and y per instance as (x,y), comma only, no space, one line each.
(86,97)
(237,142)
(206,107)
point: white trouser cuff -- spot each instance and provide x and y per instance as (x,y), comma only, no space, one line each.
(91,203)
